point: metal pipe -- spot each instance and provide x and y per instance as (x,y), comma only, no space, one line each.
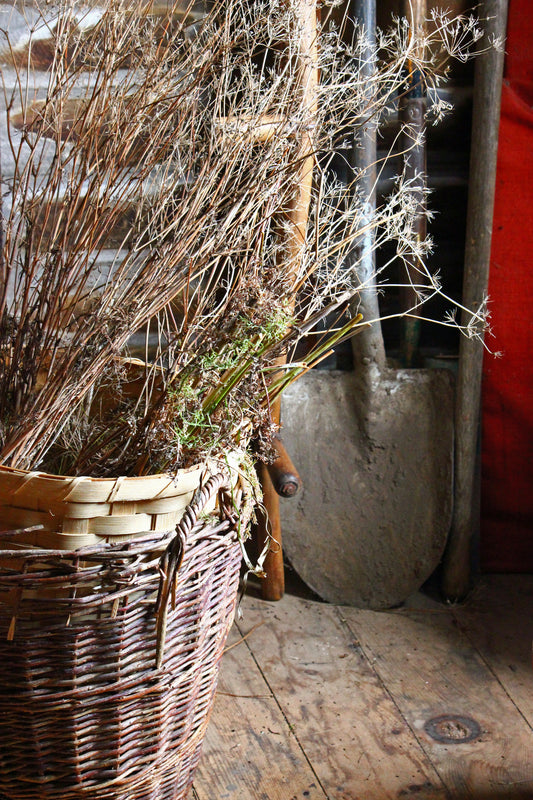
(368,346)
(413,116)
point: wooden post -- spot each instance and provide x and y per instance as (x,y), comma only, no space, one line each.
(278,479)
(485,127)
(273,586)
(269,531)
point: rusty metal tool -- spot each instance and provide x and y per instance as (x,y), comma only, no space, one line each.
(374,447)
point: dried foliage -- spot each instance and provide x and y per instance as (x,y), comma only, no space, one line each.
(148,191)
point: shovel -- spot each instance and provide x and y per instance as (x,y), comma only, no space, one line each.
(374,450)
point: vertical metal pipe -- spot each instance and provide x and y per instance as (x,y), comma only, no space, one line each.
(484,149)
(413,117)
(368,346)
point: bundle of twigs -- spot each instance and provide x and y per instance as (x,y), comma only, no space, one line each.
(146,184)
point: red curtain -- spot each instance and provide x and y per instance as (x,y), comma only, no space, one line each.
(507,419)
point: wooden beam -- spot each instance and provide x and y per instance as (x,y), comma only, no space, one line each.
(297,216)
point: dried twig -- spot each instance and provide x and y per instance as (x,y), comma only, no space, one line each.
(148,194)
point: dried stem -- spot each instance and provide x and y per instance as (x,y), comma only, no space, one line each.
(154,189)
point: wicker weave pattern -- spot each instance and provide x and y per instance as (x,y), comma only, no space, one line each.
(84,709)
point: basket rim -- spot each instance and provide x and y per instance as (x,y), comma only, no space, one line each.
(85,488)
(82,478)
(59,512)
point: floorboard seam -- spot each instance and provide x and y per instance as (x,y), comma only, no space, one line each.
(282,711)
(356,640)
(486,662)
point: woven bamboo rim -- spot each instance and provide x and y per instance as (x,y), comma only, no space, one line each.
(84,511)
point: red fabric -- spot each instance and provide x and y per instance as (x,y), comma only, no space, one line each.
(507,420)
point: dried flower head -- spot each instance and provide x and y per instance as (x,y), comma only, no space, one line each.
(168,192)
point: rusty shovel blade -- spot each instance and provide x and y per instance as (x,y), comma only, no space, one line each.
(371,523)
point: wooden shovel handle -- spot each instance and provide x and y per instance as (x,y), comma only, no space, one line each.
(283,473)
(296,216)
(269,532)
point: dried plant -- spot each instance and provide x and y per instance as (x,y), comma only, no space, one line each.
(149,195)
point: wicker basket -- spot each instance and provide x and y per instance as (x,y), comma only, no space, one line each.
(109,652)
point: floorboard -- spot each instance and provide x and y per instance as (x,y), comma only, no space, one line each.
(498,620)
(332,702)
(432,670)
(250,751)
(353,736)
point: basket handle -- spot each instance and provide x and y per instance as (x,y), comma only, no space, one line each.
(172,558)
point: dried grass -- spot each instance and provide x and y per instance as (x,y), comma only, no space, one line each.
(148,188)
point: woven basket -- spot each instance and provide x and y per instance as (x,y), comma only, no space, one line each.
(109,652)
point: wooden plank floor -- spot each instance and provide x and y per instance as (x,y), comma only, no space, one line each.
(321,701)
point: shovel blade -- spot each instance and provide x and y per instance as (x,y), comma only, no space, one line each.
(376,461)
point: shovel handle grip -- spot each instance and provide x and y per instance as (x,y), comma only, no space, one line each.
(283,473)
